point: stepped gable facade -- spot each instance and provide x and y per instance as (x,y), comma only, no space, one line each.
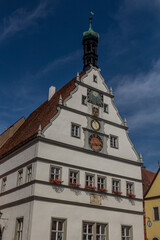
(71,171)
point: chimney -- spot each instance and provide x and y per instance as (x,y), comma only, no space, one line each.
(52,91)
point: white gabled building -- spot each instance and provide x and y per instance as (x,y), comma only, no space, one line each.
(70,171)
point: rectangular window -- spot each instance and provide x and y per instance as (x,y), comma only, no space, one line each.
(105,108)
(89,180)
(156,213)
(115,185)
(58,229)
(94,231)
(75,131)
(100,232)
(73,176)
(126,233)
(113,141)
(20,177)
(4,183)
(87,231)
(130,188)
(19,229)
(95,78)
(29,173)
(55,173)
(84,100)
(101,182)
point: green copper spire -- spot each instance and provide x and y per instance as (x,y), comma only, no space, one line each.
(90,33)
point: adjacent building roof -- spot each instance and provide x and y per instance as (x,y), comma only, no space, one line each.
(10,131)
(147,178)
(41,116)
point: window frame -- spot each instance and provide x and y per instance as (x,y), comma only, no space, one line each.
(130,230)
(77,177)
(106,106)
(60,169)
(84,100)
(64,226)
(133,190)
(94,226)
(3,184)
(92,175)
(117,141)
(31,175)
(154,214)
(95,78)
(18,177)
(105,182)
(16,228)
(118,180)
(77,125)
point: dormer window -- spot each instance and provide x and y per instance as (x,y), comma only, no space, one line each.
(95,78)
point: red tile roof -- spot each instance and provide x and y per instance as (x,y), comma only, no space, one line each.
(42,115)
(147,178)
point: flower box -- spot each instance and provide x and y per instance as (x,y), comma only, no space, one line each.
(76,185)
(93,188)
(116,192)
(56,181)
(102,189)
(130,195)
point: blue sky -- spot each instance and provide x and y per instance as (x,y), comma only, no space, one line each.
(40,46)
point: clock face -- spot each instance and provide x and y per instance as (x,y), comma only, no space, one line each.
(95,125)
(149,223)
(95,97)
(95,142)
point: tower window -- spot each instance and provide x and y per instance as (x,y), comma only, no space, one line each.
(88,47)
(95,78)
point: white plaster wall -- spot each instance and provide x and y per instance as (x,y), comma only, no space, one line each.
(17,195)
(43,173)
(58,192)
(83,159)
(25,211)
(12,177)
(18,159)
(45,211)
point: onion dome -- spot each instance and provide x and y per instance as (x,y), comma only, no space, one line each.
(90,34)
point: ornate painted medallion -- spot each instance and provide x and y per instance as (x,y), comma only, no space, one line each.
(95,142)
(95,97)
(95,111)
(95,125)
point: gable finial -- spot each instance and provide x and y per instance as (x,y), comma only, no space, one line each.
(111,91)
(140,158)
(40,130)
(60,99)
(125,122)
(77,76)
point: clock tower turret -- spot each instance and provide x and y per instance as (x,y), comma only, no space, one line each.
(90,43)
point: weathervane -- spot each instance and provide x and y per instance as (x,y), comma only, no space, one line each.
(90,19)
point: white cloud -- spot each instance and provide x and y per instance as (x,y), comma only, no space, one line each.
(21,19)
(140,93)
